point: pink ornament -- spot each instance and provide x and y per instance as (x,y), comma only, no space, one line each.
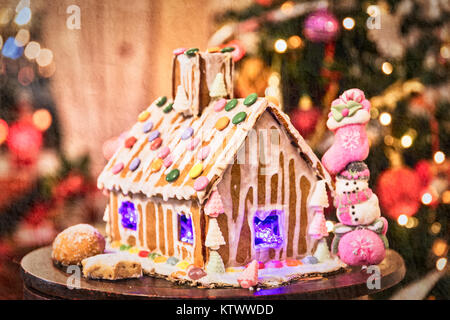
(201,183)
(203,153)
(117,168)
(219,105)
(239,51)
(214,205)
(361,247)
(193,143)
(24,141)
(321,26)
(164,152)
(249,277)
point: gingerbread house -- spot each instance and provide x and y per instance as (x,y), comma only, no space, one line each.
(209,179)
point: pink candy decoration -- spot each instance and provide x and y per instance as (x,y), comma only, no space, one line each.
(318,228)
(361,247)
(201,183)
(164,152)
(168,161)
(249,277)
(117,168)
(179,51)
(219,105)
(214,206)
(274,264)
(193,143)
(352,95)
(203,153)
(345,112)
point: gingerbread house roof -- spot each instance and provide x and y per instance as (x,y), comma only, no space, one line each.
(141,164)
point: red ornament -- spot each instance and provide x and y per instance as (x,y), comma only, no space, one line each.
(424,171)
(321,26)
(399,191)
(305,117)
(24,141)
(264,3)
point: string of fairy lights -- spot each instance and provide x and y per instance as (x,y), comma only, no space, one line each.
(18,45)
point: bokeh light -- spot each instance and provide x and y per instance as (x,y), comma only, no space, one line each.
(23,17)
(22,37)
(406,141)
(32,50)
(42,119)
(44,58)
(280,46)
(3,131)
(348,23)
(25,75)
(439,157)
(387,68)
(441,264)
(295,42)
(402,220)
(385,118)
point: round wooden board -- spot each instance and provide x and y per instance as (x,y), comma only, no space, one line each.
(42,278)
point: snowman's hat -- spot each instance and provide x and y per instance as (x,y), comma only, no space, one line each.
(356,170)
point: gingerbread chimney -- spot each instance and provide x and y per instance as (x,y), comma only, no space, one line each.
(201,77)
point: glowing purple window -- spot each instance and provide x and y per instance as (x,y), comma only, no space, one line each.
(185,233)
(129,216)
(267,229)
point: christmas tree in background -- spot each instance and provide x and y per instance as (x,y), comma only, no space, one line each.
(398,52)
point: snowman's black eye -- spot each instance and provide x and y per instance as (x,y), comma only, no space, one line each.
(346,183)
(354,182)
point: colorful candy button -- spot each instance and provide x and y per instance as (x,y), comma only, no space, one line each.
(135,164)
(274,264)
(129,143)
(260,265)
(172,261)
(143,116)
(227,49)
(179,51)
(115,244)
(250,99)
(160,259)
(187,133)
(203,153)
(182,265)
(173,175)
(117,168)
(168,108)
(222,123)
(292,262)
(164,152)
(196,170)
(161,101)
(219,105)
(239,117)
(168,161)
(191,52)
(153,135)
(178,274)
(153,255)
(156,143)
(133,250)
(156,165)
(143,253)
(193,143)
(231,104)
(147,127)
(124,247)
(213,49)
(201,183)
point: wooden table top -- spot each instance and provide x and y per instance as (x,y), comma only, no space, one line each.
(42,280)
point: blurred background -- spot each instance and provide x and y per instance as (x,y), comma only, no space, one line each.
(75,74)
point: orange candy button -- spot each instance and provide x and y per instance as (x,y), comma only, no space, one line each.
(222,123)
(143,116)
(156,165)
(213,49)
(292,262)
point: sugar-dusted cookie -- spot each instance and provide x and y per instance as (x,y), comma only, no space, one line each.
(112,266)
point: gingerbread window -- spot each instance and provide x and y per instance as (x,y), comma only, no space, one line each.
(185,231)
(129,215)
(268,229)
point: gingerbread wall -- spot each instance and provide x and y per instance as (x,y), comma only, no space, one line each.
(279,178)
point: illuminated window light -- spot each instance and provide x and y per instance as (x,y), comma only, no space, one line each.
(387,68)
(348,23)
(406,141)
(441,264)
(439,157)
(280,46)
(186,233)
(267,230)
(129,216)
(402,220)
(427,198)
(385,118)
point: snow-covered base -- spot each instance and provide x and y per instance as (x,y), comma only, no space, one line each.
(267,277)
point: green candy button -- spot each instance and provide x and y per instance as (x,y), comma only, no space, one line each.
(250,99)
(239,117)
(168,108)
(173,175)
(124,247)
(231,104)
(227,49)
(191,52)
(161,101)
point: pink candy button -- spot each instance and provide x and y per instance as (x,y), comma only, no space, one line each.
(179,51)
(274,264)
(168,161)
(193,143)
(220,105)
(164,152)
(203,153)
(117,168)
(201,183)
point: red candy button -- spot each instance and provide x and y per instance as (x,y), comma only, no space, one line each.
(143,253)
(156,143)
(129,143)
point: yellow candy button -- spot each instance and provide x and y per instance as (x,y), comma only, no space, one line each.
(213,49)
(196,170)
(160,259)
(133,250)
(182,265)
(143,116)
(115,244)
(156,165)
(222,123)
